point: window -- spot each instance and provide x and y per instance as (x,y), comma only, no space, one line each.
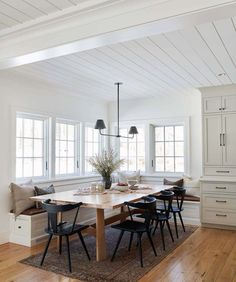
(133,150)
(31,146)
(66,148)
(169,148)
(92,146)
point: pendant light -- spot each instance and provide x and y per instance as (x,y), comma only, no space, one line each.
(100,125)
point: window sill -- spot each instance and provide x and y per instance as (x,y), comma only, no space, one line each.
(62,179)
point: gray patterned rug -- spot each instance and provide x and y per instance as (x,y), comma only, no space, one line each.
(126,265)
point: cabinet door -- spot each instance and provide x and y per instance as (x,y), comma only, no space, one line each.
(229,139)
(212,105)
(229,104)
(212,140)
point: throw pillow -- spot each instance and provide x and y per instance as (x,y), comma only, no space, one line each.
(192,187)
(125,176)
(178,183)
(21,198)
(43,191)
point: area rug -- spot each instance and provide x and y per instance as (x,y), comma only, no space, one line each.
(126,265)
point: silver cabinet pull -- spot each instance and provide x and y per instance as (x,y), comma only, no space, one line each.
(222,171)
(222,215)
(219,187)
(223,139)
(220,139)
(219,201)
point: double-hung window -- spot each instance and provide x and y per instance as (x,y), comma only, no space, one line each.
(67,148)
(133,150)
(31,146)
(169,148)
(93,146)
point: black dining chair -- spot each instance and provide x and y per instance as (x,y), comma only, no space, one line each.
(177,206)
(147,208)
(162,215)
(62,229)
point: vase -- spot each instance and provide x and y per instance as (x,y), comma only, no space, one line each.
(107,181)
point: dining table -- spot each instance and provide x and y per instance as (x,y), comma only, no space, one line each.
(108,199)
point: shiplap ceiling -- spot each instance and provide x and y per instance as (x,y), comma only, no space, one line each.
(165,64)
(14,13)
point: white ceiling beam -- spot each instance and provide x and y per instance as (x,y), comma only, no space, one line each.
(122,21)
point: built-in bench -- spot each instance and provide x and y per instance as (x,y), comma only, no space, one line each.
(28,228)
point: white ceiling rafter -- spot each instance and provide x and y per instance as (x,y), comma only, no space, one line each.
(159,65)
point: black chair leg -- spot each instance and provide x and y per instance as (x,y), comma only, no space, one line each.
(138,239)
(140,248)
(176,228)
(117,245)
(151,242)
(68,252)
(130,241)
(181,219)
(155,227)
(84,246)
(60,244)
(171,235)
(162,236)
(46,249)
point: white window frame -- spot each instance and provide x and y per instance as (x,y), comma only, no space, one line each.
(76,148)
(170,122)
(46,120)
(126,125)
(101,146)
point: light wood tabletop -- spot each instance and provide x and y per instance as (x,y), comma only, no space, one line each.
(110,199)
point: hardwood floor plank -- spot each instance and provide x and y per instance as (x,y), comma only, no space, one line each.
(207,255)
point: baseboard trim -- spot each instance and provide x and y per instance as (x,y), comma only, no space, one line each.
(4,237)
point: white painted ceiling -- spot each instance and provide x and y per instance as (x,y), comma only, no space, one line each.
(165,64)
(15,13)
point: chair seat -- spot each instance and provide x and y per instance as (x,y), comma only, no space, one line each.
(131,226)
(162,216)
(65,229)
(176,209)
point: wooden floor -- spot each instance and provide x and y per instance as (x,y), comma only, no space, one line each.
(208,255)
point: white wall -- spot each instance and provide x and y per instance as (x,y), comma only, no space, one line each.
(19,92)
(173,106)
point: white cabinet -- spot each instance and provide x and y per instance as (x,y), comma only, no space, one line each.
(219,135)
(212,140)
(218,202)
(229,139)
(212,105)
(220,140)
(219,104)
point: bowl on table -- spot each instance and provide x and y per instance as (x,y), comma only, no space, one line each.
(122,187)
(132,183)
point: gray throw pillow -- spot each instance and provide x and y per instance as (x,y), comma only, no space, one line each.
(21,198)
(178,183)
(43,191)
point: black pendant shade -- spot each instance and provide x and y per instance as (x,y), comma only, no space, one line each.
(101,125)
(133,130)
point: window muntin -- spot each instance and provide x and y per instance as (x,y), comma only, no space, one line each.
(92,146)
(169,148)
(133,150)
(31,146)
(66,153)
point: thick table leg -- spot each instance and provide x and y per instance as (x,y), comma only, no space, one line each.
(100,236)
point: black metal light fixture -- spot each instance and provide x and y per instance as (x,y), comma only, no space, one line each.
(101,125)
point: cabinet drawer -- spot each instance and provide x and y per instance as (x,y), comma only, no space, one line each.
(21,227)
(219,187)
(219,202)
(226,171)
(218,217)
